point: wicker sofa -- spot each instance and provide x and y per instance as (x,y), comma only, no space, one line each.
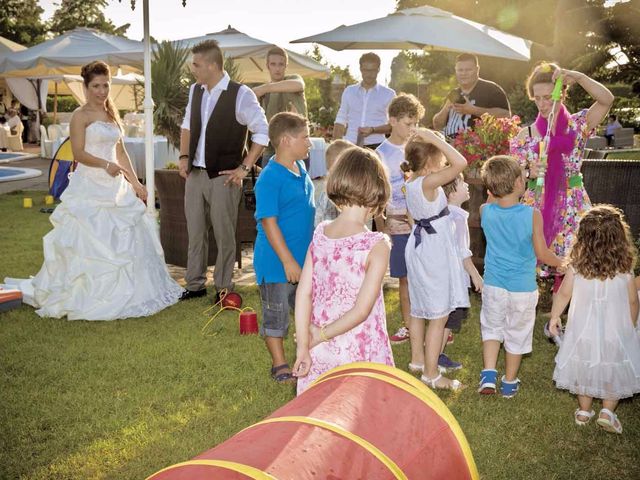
(616,182)
(173,223)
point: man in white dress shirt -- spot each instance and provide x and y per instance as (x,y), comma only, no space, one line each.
(362,118)
(214,161)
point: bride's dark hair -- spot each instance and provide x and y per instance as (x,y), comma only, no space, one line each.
(93,69)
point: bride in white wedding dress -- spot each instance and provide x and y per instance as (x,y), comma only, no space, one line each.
(103,259)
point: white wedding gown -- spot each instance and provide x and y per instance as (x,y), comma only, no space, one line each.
(103,259)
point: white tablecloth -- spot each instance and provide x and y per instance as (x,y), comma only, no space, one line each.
(163,153)
(4,133)
(317,163)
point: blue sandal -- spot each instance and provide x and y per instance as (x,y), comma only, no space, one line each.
(284,377)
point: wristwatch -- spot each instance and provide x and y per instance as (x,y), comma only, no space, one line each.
(244,167)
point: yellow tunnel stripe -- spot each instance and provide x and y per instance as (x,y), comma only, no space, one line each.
(420,391)
(372,449)
(236,467)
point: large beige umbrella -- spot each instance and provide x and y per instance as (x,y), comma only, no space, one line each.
(67,53)
(425,28)
(249,55)
(124,90)
(8,47)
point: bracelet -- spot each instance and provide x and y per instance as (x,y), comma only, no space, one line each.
(323,335)
(183,156)
(106,165)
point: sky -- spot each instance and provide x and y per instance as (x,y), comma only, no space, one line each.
(274,21)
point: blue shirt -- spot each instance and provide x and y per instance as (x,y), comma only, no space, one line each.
(510,260)
(288,197)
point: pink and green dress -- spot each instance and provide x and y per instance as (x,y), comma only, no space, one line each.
(562,198)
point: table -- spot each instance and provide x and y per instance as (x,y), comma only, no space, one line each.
(4,132)
(317,162)
(163,153)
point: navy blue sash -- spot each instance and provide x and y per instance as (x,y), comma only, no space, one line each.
(425,223)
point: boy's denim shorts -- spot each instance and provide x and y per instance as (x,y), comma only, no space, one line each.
(397,262)
(276,299)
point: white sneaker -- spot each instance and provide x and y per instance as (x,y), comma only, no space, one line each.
(401,336)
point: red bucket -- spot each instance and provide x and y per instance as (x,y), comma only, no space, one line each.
(248,323)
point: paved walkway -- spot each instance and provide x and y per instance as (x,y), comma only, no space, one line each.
(28,184)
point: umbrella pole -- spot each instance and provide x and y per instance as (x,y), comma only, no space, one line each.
(55,101)
(148,114)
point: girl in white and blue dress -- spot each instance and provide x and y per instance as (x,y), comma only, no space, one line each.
(434,269)
(600,354)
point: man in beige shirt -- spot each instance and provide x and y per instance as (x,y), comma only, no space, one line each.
(284,93)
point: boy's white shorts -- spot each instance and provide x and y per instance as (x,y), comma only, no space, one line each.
(508,317)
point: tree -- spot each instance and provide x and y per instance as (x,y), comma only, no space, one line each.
(83,13)
(322,103)
(20,22)
(578,34)
(171,79)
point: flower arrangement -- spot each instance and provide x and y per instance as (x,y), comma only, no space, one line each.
(490,136)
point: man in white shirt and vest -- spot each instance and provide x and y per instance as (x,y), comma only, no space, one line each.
(362,118)
(214,161)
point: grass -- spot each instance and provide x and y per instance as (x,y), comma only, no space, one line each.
(622,155)
(122,399)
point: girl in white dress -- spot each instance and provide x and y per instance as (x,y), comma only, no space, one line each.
(600,354)
(103,259)
(434,268)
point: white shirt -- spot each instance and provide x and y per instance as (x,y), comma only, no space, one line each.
(248,112)
(14,121)
(364,108)
(459,218)
(392,156)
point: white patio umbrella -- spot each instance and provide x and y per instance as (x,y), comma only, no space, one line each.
(249,54)
(123,90)
(425,28)
(67,53)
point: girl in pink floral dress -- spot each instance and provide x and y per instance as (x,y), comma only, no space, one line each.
(562,199)
(340,313)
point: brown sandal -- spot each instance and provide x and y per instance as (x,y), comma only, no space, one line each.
(284,377)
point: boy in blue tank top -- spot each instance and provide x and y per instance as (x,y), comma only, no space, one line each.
(514,240)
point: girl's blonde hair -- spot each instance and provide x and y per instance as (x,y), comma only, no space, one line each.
(418,154)
(603,246)
(359,178)
(93,69)
(541,73)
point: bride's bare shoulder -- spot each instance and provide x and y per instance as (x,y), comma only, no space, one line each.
(80,117)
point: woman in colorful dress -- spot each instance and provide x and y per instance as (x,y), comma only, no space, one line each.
(561,197)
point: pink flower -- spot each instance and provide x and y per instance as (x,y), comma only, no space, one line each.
(490,136)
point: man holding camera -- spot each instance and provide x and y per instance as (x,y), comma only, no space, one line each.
(473,97)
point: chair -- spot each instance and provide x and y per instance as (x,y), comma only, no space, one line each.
(45,144)
(623,137)
(55,132)
(14,141)
(596,143)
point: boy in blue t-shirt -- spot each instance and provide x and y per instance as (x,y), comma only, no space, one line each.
(515,239)
(284,216)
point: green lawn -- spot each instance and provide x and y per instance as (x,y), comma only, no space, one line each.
(120,400)
(622,155)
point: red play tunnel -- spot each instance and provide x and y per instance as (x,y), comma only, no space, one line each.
(361,421)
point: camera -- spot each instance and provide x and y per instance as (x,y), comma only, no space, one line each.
(455,96)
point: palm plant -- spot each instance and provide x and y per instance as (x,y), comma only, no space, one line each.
(171,79)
